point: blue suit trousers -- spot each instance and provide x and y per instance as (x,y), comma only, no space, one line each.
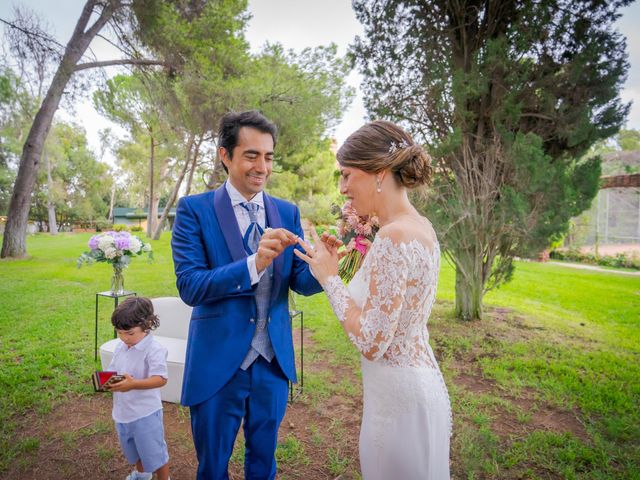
(259,395)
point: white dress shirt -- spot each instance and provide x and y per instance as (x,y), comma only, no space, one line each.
(242,216)
(143,360)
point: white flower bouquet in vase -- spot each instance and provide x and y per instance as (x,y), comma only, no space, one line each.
(116,248)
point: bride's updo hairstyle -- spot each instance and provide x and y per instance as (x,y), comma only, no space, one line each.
(382,145)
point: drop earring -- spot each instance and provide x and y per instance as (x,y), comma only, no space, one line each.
(378,185)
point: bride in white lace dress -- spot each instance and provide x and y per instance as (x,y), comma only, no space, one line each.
(406,422)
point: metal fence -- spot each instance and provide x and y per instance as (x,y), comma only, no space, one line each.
(614,218)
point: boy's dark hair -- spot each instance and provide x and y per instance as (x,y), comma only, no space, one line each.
(231,124)
(135,312)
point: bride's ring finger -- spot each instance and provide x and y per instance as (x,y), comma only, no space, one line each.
(306,246)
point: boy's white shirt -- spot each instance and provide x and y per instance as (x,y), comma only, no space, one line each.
(143,360)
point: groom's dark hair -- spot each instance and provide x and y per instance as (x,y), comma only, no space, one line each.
(232,122)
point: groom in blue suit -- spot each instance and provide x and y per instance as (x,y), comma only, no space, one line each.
(234,263)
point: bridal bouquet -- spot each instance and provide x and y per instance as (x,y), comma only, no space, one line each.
(354,230)
(116,248)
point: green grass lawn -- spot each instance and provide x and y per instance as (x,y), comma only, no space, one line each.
(47,324)
(555,339)
(579,350)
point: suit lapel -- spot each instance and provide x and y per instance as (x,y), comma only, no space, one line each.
(233,237)
(228,223)
(274,221)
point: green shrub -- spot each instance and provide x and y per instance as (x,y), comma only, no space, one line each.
(135,228)
(620,260)
(102,224)
(318,209)
(320,229)
(120,227)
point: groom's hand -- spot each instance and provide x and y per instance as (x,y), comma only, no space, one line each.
(272,244)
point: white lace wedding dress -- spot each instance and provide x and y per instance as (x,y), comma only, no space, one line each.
(406,422)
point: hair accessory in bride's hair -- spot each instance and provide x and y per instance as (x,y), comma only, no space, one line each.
(397,146)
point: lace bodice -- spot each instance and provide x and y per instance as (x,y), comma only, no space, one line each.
(386,306)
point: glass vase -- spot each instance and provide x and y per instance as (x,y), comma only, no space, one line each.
(117,280)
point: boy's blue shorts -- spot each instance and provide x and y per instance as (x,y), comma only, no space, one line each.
(143,440)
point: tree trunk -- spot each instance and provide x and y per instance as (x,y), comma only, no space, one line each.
(217,176)
(191,172)
(51,206)
(112,202)
(154,208)
(14,242)
(469,294)
(176,188)
(152,213)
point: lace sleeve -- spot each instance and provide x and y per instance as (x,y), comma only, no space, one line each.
(338,295)
(372,327)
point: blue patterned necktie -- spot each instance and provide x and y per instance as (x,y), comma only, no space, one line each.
(260,343)
(253,234)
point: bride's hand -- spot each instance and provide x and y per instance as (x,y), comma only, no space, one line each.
(332,242)
(323,260)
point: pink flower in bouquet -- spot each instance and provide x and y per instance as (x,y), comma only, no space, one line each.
(356,232)
(364,229)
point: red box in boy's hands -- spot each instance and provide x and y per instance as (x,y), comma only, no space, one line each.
(100,379)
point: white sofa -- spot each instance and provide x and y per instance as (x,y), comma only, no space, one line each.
(174,317)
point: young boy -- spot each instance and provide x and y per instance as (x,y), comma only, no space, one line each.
(137,408)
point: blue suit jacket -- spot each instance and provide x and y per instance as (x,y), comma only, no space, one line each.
(212,276)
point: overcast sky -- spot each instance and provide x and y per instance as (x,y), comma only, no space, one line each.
(298,24)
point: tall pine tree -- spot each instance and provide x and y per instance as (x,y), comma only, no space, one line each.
(508,96)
